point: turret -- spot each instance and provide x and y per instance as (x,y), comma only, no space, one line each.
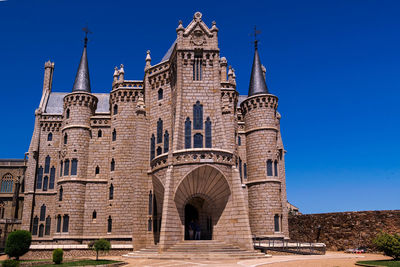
(79,106)
(265,176)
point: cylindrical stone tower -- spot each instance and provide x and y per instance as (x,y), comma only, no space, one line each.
(267,200)
(79,106)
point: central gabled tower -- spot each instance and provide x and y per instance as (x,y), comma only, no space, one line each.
(196,90)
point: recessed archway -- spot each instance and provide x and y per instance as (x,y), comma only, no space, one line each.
(202,196)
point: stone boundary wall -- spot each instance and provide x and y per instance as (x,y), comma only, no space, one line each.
(34,254)
(343,230)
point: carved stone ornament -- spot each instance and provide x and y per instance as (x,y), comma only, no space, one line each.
(198,37)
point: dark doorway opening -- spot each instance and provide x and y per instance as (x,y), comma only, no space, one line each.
(198,215)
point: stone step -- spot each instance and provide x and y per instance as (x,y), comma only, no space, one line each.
(199,250)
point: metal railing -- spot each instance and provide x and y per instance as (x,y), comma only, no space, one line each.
(281,244)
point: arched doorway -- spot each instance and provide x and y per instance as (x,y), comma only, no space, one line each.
(201,197)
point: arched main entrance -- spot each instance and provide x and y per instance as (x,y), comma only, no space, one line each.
(201,198)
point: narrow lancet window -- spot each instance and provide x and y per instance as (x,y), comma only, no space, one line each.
(66,167)
(109,226)
(39,178)
(112,167)
(160,94)
(198,116)
(152,147)
(50,137)
(166,142)
(188,133)
(208,133)
(115,109)
(111,192)
(47,164)
(74,167)
(65,223)
(276,167)
(52,177)
(269,167)
(114,135)
(159,130)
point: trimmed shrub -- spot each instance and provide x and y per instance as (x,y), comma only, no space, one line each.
(18,243)
(389,244)
(101,245)
(58,255)
(10,263)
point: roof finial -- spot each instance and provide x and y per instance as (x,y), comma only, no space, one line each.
(256,32)
(87,31)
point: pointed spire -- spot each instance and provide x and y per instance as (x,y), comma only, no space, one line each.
(82,79)
(257,80)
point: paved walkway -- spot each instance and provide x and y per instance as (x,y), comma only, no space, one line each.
(331,259)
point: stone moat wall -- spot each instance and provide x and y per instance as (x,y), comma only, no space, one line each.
(343,230)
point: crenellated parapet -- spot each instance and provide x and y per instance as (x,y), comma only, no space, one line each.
(81,99)
(124,94)
(259,101)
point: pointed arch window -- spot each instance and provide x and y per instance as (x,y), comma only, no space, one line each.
(52,177)
(48,225)
(111,192)
(239,141)
(115,109)
(97,170)
(60,193)
(50,137)
(45,183)
(198,140)
(159,130)
(166,142)
(94,215)
(42,212)
(245,170)
(35,225)
(65,223)
(99,134)
(112,167)
(269,167)
(66,167)
(47,164)
(74,166)
(114,135)
(41,230)
(188,133)
(67,113)
(39,178)
(7,182)
(276,167)
(197,116)
(208,133)
(160,94)
(58,224)
(65,139)
(152,147)
(109,225)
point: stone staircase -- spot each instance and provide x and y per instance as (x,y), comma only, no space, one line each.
(197,250)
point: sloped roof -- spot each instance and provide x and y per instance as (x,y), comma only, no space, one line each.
(56,101)
(169,52)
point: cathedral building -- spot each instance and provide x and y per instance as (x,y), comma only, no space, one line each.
(140,163)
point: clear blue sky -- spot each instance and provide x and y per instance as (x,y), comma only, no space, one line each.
(333,64)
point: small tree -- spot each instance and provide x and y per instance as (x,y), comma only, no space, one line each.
(58,255)
(10,263)
(101,245)
(389,244)
(18,243)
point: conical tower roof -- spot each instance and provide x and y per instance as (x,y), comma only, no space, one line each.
(257,81)
(82,79)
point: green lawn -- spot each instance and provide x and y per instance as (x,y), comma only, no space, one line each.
(390,263)
(80,263)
